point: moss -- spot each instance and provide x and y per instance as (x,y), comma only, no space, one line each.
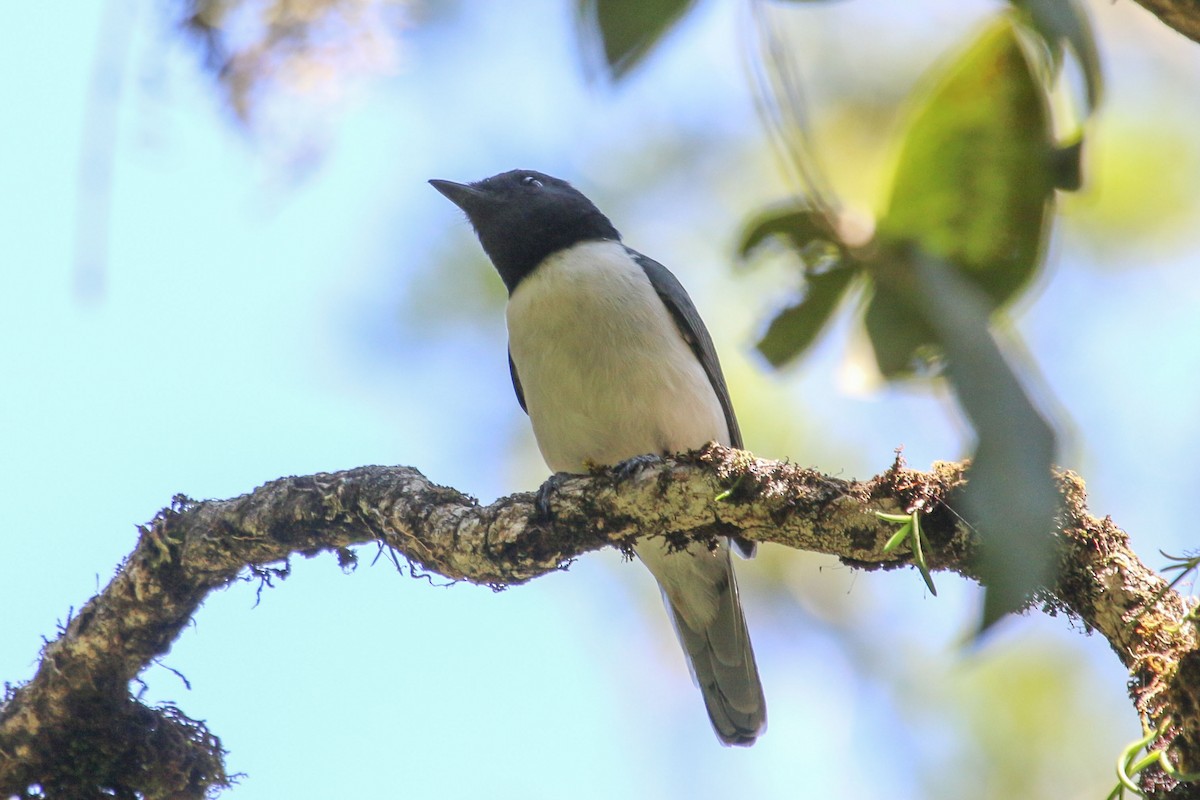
(121,748)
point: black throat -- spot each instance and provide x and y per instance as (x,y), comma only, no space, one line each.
(517,250)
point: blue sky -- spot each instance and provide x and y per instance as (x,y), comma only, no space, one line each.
(258,321)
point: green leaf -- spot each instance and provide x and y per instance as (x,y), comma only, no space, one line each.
(975,177)
(795,328)
(799,223)
(1010,497)
(1065,23)
(900,338)
(629,29)
(898,538)
(918,545)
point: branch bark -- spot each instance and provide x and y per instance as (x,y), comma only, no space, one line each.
(74,727)
(1182,15)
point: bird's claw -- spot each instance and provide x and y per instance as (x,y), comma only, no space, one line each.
(623,470)
(632,466)
(541,500)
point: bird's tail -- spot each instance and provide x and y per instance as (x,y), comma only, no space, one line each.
(701,593)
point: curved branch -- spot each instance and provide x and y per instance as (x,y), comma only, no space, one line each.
(80,691)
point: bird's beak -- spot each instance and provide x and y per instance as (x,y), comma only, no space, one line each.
(468,198)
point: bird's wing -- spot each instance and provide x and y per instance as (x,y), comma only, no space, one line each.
(516,379)
(691,327)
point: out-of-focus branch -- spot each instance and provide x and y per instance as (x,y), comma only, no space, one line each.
(78,701)
(1182,15)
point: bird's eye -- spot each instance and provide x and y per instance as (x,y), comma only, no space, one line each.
(529,180)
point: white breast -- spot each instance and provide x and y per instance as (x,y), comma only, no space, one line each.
(606,373)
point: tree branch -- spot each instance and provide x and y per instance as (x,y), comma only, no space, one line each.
(79,702)
(1182,15)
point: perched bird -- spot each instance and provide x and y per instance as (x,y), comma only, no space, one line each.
(611,361)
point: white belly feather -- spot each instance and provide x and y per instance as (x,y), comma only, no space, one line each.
(606,373)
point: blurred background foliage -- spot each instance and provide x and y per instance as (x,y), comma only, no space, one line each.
(199,301)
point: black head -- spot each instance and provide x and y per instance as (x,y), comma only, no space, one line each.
(521,217)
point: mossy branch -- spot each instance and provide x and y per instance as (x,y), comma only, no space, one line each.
(74,727)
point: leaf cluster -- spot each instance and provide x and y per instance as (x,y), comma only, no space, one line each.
(962,234)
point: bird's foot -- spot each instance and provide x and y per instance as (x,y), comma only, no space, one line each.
(541,500)
(632,466)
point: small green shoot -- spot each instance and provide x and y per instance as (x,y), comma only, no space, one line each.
(1129,765)
(910,529)
(725,495)
(1185,564)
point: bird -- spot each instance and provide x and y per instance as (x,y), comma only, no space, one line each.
(611,361)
